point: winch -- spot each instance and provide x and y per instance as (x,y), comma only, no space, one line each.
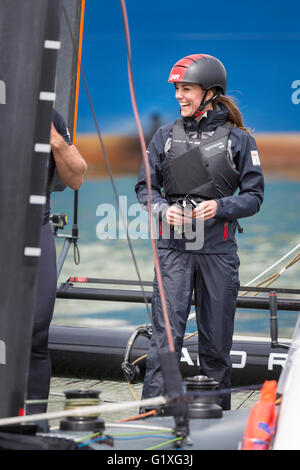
(205,406)
(82,398)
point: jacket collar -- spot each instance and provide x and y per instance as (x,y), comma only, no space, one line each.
(209,122)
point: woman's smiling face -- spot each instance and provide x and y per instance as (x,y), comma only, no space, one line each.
(189,96)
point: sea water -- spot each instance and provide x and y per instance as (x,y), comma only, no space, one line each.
(267,237)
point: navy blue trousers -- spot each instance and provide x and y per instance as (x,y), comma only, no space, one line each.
(215,282)
(40,365)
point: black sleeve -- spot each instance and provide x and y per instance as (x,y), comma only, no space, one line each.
(60,126)
(251,184)
(54,183)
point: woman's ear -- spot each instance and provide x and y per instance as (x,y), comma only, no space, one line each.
(210,93)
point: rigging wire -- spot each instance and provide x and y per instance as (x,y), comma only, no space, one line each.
(106,161)
(75,79)
(148,178)
(75,231)
(273,265)
(143,145)
(270,279)
(78,68)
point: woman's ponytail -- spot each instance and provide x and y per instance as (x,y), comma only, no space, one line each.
(234,114)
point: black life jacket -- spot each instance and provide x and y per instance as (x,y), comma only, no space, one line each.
(199,167)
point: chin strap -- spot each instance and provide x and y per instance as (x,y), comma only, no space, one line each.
(200,111)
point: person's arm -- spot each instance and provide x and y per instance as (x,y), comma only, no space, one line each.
(251,183)
(70,165)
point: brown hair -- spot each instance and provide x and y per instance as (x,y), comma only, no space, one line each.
(234,114)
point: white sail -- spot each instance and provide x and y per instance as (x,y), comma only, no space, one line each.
(287,435)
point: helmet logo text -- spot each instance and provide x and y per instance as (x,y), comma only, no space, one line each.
(175,76)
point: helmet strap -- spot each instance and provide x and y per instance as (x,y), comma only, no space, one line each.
(203,104)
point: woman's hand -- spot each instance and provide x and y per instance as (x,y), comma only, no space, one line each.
(205,210)
(175,215)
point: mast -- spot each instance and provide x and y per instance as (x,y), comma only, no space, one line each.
(29,41)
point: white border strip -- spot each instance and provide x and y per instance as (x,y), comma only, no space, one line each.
(32,251)
(48,44)
(35,199)
(43,148)
(47,96)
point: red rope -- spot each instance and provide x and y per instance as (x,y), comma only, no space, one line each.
(148,177)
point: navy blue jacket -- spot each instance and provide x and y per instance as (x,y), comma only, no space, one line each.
(219,232)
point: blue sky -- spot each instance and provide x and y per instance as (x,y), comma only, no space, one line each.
(258,42)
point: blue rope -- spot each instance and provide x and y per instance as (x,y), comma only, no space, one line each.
(128,438)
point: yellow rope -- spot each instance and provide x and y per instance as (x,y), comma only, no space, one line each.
(144,357)
(275,276)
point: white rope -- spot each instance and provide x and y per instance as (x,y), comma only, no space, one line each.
(136,426)
(129,425)
(82,411)
(273,265)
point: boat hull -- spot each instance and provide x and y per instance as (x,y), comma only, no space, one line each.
(94,353)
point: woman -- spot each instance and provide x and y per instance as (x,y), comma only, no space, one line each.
(207,154)
(66,168)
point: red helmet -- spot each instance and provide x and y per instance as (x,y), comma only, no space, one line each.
(203,69)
